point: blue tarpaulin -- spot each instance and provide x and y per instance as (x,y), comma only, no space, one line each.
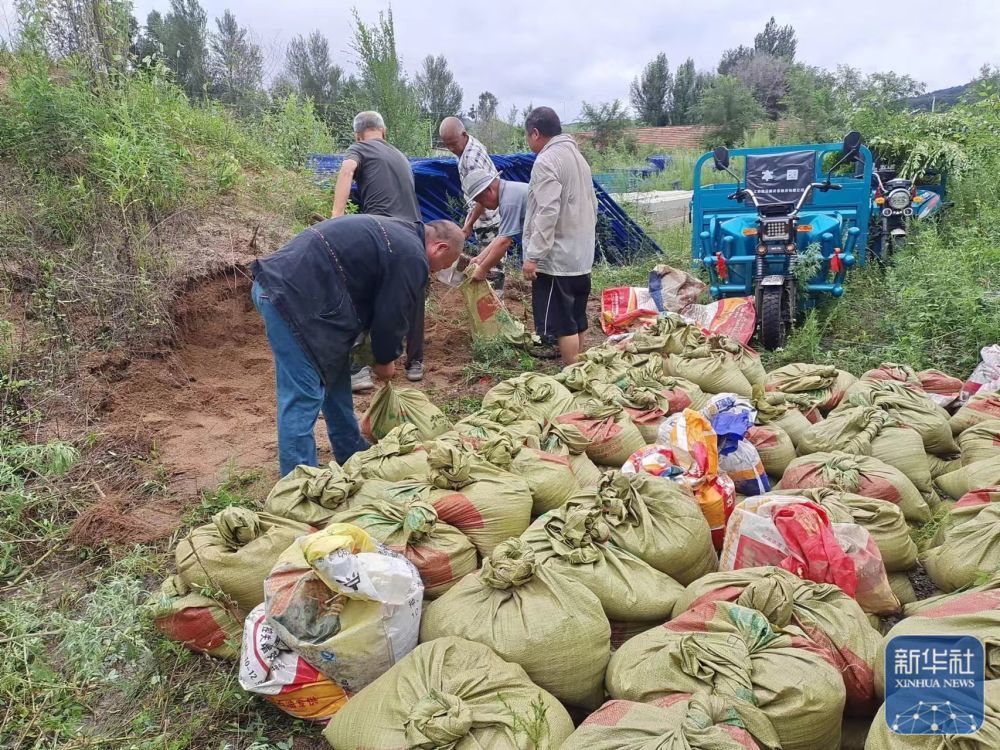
(439,192)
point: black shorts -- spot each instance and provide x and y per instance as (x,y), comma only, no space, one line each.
(559,304)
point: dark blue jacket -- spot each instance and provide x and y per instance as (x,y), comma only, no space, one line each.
(345,276)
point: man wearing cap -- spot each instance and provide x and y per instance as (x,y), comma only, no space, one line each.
(559,233)
(509,200)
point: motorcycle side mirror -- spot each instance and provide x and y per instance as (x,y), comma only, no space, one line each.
(720,156)
(852,144)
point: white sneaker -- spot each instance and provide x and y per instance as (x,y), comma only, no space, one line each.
(362,380)
(415,371)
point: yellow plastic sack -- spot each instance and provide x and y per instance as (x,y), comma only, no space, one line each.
(399,455)
(392,407)
(656,520)
(484,424)
(232,555)
(440,552)
(199,622)
(345,603)
(971,547)
(909,408)
(454,695)
(533,616)
(313,495)
(531,395)
(747,360)
(733,652)
(711,370)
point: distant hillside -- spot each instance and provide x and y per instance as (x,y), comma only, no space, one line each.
(940,99)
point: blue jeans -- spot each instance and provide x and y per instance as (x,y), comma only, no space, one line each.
(301,394)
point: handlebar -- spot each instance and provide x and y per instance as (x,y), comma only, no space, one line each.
(742,193)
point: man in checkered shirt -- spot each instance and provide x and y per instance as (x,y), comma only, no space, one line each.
(473,155)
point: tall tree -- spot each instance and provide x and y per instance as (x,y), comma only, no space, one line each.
(651,92)
(97,32)
(181,35)
(486,107)
(775,40)
(440,95)
(812,104)
(684,94)
(728,105)
(608,121)
(235,61)
(382,84)
(310,72)
(766,77)
(732,59)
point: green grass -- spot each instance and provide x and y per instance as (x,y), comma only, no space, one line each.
(461,406)
(497,360)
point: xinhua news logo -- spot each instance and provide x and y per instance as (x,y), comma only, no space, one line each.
(934,684)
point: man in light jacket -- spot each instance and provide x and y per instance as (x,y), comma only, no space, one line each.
(559,233)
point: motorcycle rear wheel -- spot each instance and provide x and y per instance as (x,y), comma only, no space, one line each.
(776,317)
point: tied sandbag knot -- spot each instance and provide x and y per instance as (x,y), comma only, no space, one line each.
(401,441)
(512,563)
(420,520)
(577,377)
(576,532)
(328,486)
(773,596)
(500,450)
(638,397)
(843,472)
(537,390)
(617,497)
(438,721)
(725,665)
(568,436)
(237,526)
(451,468)
(601,410)
(769,406)
(500,415)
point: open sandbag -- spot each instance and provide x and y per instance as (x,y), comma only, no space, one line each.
(612,435)
(871,431)
(971,547)
(345,603)
(984,473)
(392,407)
(532,395)
(399,455)
(550,624)
(975,612)
(451,694)
(232,555)
(880,518)
(795,534)
(711,370)
(678,722)
(440,552)
(980,408)
(862,475)
(979,442)
(734,652)
(656,520)
(909,408)
(987,737)
(831,619)
(314,494)
(576,542)
(204,625)
(824,385)
(272,670)
(569,441)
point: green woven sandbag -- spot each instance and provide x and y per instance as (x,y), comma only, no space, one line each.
(981,441)
(980,408)
(567,440)
(204,625)
(909,408)
(656,520)
(454,695)
(783,411)
(235,552)
(696,722)
(974,612)
(483,424)
(313,495)
(939,466)
(861,475)
(601,364)
(668,334)
(612,435)
(647,408)
(531,615)
(984,473)
(987,737)
(577,543)
(880,518)
(870,431)
(965,509)
(399,455)
(748,361)
(711,370)
(775,448)
(970,548)
(441,553)
(531,395)
(824,385)
(733,652)
(392,407)
(902,588)
(831,619)
(549,477)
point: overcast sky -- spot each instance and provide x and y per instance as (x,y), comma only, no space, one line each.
(559,52)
